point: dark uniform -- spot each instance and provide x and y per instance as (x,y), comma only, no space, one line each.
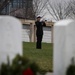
(39,33)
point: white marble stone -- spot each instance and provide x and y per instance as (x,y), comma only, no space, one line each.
(10,38)
(64,45)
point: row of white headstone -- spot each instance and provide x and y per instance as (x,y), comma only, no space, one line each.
(64,42)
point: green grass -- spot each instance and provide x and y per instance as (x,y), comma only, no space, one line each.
(43,57)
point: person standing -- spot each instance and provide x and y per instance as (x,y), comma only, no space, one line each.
(39,31)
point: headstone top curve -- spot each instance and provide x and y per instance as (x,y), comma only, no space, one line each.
(11,17)
(64,22)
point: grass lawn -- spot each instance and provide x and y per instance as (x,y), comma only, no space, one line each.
(43,57)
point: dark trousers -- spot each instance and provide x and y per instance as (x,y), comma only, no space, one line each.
(39,41)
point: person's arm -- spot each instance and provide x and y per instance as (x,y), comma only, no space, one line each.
(44,24)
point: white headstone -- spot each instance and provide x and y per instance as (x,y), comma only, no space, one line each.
(10,38)
(64,45)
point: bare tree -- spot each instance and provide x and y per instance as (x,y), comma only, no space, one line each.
(39,7)
(58,10)
(72,7)
(4,3)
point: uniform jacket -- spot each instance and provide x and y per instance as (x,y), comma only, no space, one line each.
(39,26)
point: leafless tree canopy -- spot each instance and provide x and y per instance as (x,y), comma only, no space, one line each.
(72,7)
(29,9)
(3,4)
(39,6)
(58,10)
(17,8)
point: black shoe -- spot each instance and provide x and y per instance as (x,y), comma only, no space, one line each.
(38,48)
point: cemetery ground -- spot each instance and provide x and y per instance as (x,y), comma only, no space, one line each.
(43,57)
